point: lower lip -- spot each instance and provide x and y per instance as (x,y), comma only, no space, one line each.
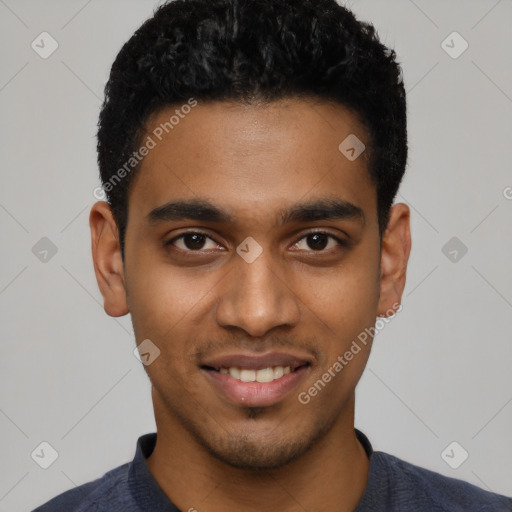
(256,394)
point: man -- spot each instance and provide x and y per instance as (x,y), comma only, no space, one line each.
(251,152)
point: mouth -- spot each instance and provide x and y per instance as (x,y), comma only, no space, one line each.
(263,375)
(256,381)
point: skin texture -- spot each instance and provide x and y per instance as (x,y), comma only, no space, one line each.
(253,161)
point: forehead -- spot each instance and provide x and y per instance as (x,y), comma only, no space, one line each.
(252,160)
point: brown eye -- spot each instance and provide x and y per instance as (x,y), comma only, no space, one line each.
(194,241)
(191,241)
(318,241)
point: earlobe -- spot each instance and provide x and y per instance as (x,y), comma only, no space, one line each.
(107,260)
(396,248)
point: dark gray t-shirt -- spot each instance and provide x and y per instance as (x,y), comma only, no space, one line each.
(393,485)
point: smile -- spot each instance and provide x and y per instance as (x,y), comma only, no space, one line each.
(264,375)
(255,387)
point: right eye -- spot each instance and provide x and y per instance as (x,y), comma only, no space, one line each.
(191,241)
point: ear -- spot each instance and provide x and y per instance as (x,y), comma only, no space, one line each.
(108,263)
(395,250)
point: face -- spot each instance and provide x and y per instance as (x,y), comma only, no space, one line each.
(252,251)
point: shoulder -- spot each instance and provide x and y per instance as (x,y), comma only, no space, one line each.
(111,488)
(427,490)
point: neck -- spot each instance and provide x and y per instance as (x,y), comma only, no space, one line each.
(332,475)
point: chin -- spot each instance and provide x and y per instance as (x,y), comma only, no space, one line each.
(263,451)
(251,455)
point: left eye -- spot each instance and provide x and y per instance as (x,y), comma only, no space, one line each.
(319,241)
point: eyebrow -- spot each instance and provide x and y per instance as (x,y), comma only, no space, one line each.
(203,210)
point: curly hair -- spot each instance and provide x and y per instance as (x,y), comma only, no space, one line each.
(254,50)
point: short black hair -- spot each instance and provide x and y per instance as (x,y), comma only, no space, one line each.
(252,51)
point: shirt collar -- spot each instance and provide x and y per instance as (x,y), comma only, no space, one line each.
(365,442)
(142,484)
(149,495)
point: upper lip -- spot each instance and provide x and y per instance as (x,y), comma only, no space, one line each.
(253,361)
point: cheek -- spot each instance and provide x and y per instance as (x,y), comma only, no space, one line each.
(346,298)
(345,306)
(162,295)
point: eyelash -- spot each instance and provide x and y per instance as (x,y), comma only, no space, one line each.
(341,242)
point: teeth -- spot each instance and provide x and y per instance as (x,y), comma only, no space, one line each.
(263,375)
(234,372)
(247,375)
(278,372)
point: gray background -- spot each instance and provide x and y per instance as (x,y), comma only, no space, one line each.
(439,372)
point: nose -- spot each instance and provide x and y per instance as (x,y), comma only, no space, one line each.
(256,298)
